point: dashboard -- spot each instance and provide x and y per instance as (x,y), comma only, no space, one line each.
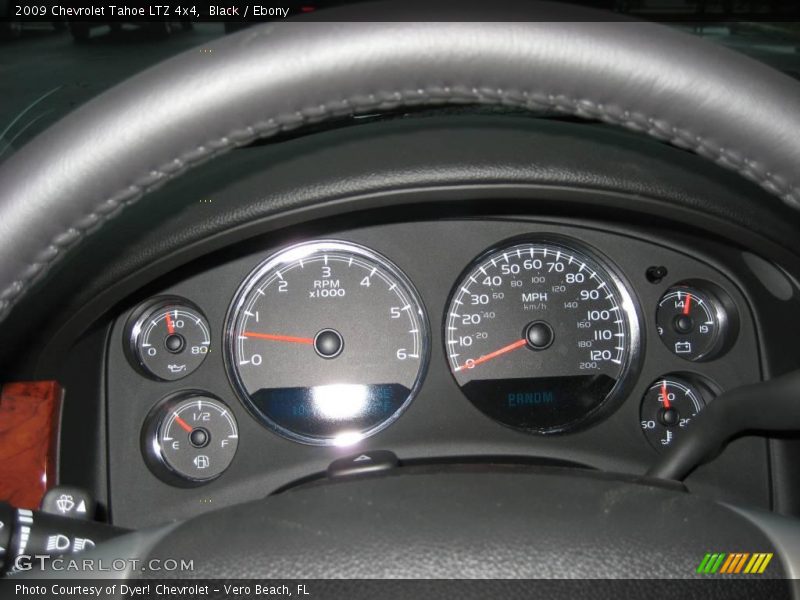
(499,338)
(483,286)
(541,374)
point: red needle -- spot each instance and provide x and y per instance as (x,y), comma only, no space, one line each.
(665,395)
(487,357)
(186,427)
(170,325)
(687,304)
(279,338)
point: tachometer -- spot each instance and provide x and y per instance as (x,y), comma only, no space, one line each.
(539,335)
(327,342)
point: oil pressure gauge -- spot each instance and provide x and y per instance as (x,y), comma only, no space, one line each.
(168,338)
(190,438)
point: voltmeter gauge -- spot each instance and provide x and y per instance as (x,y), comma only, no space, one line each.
(190,438)
(668,407)
(168,338)
(693,322)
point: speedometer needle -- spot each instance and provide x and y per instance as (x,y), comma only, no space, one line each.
(278,338)
(487,357)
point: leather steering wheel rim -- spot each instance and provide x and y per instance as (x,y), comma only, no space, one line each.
(108,154)
(461,521)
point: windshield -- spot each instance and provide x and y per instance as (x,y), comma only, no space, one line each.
(50,65)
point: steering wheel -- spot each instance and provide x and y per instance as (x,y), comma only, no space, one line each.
(476,522)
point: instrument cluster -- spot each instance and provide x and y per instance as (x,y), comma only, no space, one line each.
(327,342)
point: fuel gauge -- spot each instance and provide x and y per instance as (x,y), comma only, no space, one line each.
(190,438)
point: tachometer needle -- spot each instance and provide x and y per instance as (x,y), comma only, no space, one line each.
(279,338)
(487,357)
(665,396)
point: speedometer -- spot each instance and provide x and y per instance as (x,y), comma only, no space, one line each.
(327,342)
(540,335)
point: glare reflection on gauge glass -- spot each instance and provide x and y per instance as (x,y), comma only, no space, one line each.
(348,438)
(340,400)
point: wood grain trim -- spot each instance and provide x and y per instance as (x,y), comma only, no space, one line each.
(29,423)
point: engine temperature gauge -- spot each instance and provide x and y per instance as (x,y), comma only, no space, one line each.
(190,438)
(669,406)
(168,338)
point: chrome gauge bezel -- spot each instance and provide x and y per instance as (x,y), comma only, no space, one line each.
(156,422)
(289,254)
(629,306)
(705,390)
(723,311)
(137,330)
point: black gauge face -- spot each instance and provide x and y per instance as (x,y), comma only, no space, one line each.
(667,409)
(327,342)
(691,323)
(191,436)
(539,335)
(169,339)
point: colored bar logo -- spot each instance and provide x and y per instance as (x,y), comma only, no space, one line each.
(734,563)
